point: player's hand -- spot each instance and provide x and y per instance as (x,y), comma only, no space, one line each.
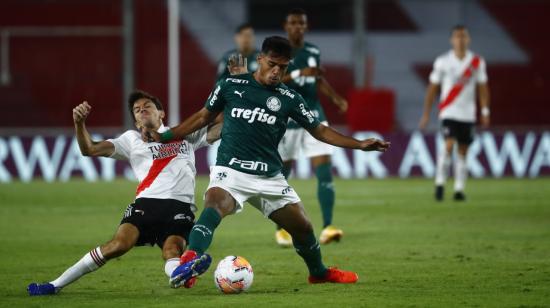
(423,122)
(485,121)
(237,65)
(81,112)
(149,135)
(316,72)
(373,144)
(341,103)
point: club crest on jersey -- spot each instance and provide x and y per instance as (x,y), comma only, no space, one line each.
(273,103)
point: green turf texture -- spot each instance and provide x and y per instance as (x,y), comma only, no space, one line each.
(409,251)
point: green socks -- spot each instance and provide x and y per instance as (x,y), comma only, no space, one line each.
(203,231)
(325,192)
(310,251)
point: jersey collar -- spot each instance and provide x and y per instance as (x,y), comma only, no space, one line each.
(467,56)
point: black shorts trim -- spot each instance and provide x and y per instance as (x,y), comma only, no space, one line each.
(156,219)
(462,132)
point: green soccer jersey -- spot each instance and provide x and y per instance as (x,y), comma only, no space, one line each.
(306,56)
(255,120)
(223,72)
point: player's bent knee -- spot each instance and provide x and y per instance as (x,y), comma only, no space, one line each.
(220,200)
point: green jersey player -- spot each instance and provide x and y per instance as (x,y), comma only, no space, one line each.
(245,51)
(306,78)
(256,108)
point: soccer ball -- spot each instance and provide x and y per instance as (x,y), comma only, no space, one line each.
(233,275)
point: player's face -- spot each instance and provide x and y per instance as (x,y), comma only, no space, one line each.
(296,26)
(147,114)
(460,39)
(245,39)
(271,69)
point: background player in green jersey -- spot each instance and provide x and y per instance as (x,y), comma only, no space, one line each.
(245,42)
(306,77)
(256,109)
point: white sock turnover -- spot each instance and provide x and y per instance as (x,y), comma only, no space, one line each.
(171,265)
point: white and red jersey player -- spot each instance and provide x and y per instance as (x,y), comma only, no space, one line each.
(164,171)
(461,78)
(458,79)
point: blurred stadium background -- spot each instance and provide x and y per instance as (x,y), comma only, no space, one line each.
(377,53)
(492,251)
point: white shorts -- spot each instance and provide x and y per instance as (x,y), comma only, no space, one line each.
(267,194)
(299,141)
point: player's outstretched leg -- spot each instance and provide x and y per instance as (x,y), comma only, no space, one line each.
(194,262)
(292,217)
(88,263)
(124,240)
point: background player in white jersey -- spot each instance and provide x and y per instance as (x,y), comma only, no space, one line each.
(162,212)
(457,74)
(306,77)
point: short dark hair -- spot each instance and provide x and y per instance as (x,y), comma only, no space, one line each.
(296,11)
(139,94)
(458,27)
(244,26)
(278,46)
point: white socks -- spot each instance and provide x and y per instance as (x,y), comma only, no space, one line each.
(442,167)
(460,170)
(461,173)
(89,263)
(171,265)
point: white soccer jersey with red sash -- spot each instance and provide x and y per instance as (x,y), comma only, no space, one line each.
(164,171)
(458,79)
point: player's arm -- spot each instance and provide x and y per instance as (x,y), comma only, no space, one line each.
(195,122)
(335,98)
(214,131)
(484,98)
(88,147)
(431,94)
(328,135)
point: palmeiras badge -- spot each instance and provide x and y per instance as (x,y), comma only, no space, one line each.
(273,103)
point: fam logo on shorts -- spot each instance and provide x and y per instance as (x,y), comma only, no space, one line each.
(273,103)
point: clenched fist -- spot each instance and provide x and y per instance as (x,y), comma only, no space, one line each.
(81,112)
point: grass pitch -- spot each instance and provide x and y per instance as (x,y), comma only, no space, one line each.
(491,251)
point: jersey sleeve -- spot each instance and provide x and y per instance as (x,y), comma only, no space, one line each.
(123,145)
(482,72)
(198,138)
(436,76)
(216,101)
(301,113)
